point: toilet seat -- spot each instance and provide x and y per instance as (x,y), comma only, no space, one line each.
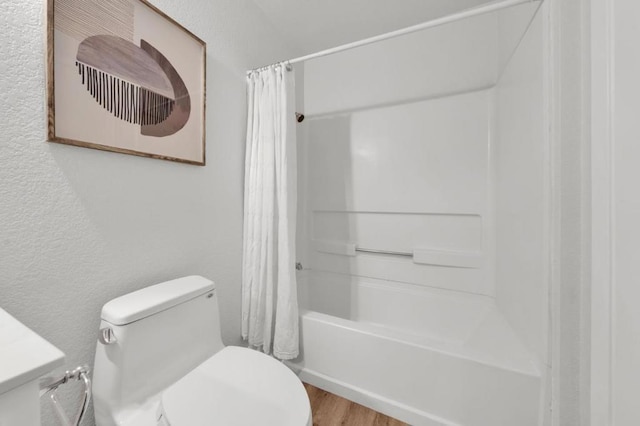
(237,387)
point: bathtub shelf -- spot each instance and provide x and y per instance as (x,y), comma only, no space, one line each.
(448,258)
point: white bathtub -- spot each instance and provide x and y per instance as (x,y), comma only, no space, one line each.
(424,356)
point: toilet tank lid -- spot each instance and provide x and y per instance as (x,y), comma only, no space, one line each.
(156,298)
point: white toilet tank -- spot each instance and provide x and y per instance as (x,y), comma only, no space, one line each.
(159,334)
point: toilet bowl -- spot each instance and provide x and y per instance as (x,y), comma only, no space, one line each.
(237,386)
(160,361)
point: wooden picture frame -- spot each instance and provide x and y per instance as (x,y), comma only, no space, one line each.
(122,76)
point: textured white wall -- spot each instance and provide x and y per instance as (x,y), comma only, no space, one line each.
(441,61)
(79,226)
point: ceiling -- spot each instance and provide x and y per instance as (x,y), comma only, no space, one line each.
(313,25)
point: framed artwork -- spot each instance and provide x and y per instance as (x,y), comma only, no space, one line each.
(122,76)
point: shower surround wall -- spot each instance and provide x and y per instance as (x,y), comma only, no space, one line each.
(431,144)
(371,183)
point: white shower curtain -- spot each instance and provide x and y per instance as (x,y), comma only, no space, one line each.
(269,292)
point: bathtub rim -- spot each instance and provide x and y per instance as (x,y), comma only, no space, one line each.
(378,331)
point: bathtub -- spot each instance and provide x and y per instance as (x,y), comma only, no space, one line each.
(422,355)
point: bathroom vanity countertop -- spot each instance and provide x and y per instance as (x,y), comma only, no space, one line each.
(24,355)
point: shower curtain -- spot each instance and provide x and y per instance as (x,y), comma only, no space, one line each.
(269,291)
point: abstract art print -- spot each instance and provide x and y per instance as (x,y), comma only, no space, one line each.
(124,77)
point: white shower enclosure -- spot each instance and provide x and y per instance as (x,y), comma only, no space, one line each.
(423,222)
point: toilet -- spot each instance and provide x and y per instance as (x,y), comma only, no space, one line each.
(160,361)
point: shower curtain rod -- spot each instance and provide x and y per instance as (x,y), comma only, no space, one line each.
(476,11)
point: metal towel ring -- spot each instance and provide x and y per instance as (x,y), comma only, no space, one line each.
(50,386)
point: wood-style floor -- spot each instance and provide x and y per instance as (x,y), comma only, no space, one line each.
(331,410)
